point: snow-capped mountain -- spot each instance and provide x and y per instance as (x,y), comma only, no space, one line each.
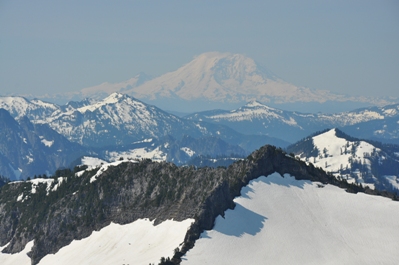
(34,109)
(258,118)
(359,161)
(28,149)
(121,120)
(227,78)
(212,80)
(115,120)
(269,207)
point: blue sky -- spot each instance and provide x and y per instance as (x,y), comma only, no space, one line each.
(349,47)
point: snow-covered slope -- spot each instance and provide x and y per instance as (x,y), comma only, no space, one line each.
(117,119)
(350,158)
(285,221)
(139,242)
(33,109)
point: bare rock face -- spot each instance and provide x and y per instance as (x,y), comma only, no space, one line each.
(71,206)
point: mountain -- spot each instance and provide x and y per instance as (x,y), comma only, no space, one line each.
(125,209)
(33,109)
(28,149)
(121,120)
(225,77)
(358,161)
(219,80)
(378,123)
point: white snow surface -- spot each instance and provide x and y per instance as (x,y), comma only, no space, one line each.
(92,162)
(188,151)
(285,221)
(228,77)
(332,155)
(138,243)
(47,142)
(111,99)
(155,154)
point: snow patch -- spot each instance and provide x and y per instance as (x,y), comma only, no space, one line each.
(188,151)
(92,162)
(144,141)
(47,143)
(139,153)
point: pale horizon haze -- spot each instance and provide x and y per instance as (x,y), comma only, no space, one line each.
(346,47)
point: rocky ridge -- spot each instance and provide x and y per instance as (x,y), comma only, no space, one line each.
(73,204)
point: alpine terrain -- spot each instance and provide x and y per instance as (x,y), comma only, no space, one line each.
(268,207)
(357,161)
(374,123)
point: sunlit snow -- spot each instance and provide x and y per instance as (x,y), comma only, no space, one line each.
(47,143)
(285,221)
(155,154)
(188,151)
(138,243)
(335,153)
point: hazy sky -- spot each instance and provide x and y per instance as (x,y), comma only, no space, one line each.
(346,46)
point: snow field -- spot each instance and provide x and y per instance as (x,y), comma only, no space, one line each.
(138,243)
(336,156)
(284,221)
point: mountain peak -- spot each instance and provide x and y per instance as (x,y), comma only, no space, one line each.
(255,103)
(111,99)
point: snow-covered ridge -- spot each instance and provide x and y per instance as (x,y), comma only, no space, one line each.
(280,220)
(111,99)
(226,77)
(51,186)
(20,106)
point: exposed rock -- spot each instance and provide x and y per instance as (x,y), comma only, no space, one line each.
(130,191)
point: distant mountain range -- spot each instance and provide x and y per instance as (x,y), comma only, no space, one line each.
(120,125)
(218,80)
(374,123)
(116,126)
